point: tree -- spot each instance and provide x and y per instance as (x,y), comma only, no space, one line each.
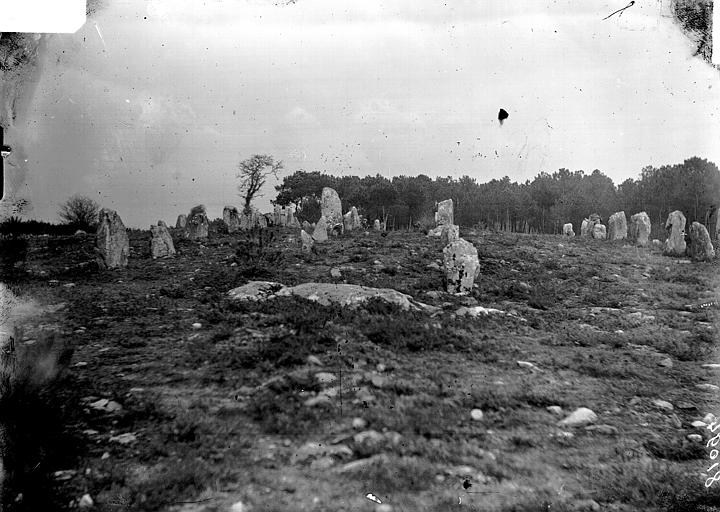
(253,173)
(80,210)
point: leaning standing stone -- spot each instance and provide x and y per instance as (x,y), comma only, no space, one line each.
(675,228)
(320,233)
(307,241)
(639,231)
(449,234)
(181,221)
(161,245)
(568,229)
(599,232)
(461,266)
(331,207)
(112,240)
(700,248)
(197,224)
(231,217)
(617,226)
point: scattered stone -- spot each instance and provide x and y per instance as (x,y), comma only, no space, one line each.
(700,247)
(662,404)
(709,418)
(335,273)
(113,244)
(124,438)
(80,232)
(579,417)
(675,228)
(462,266)
(358,423)
(321,398)
(554,409)
(85,501)
(331,207)
(313,360)
(585,506)
(707,387)
(231,218)
(477,311)
(568,229)
(307,241)
(698,424)
(526,364)
(712,366)
(161,244)
(667,362)
(181,221)
(696,438)
(106,405)
(639,229)
(449,233)
(238,506)
(197,226)
(255,290)
(599,232)
(617,226)
(384,507)
(325,377)
(197,325)
(476,415)
(315,450)
(378,381)
(320,233)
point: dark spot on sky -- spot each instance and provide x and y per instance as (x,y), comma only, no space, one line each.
(502,115)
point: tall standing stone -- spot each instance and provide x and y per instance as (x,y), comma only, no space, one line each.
(181,221)
(197,226)
(585,228)
(161,245)
(231,217)
(307,241)
(445,213)
(700,248)
(568,229)
(639,230)
(713,224)
(320,233)
(617,226)
(112,240)
(331,207)
(675,229)
(462,266)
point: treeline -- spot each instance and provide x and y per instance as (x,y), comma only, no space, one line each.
(542,205)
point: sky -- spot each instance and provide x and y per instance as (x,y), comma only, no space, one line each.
(151,105)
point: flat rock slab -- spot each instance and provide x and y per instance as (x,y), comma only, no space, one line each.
(351,295)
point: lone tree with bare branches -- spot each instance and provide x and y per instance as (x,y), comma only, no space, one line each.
(253,173)
(80,211)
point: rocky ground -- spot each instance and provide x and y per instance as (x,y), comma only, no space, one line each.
(176,397)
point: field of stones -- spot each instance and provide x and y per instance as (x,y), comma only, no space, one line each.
(258,370)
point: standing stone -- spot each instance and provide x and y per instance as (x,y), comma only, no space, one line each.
(331,207)
(376,225)
(585,228)
(306,226)
(639,230)
(261,221)
(675,229)
(617,226)
(320,233)
(713,224)
(444,214)
(197,226)
(461,266)
(161,245)
(700,248)
(307,241)
(231,217)
(181,221)
(112,240)
(449,234)
(599,232)
(568,229)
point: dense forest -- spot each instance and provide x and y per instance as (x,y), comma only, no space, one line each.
(542,205)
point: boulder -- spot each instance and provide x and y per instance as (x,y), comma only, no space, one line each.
(675,229)
(331,207)
(599,232)
(568,229)
(181,221)
(449,233)
(307,241)
(113,243)
(161,245)
(231,217)
(320,233)
(461,266)
(444,214)
(617,226)
(700,247)
(639,229)
(197,226)
(377,225)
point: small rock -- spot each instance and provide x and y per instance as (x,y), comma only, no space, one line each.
(698,424)
(322,463)
(585,506)
(662,404)
(313,360)
(359,423)
(709,418)
(85,501)
(105,456)
(238,506)
(526,364)
(667,362)
(686,406)
(712,366)
(697,438)
(384,507)
(325,377)
(580,416)
(378,381)
(707,387)
(554,409)
(634,401)
(380,367)
(322,398)
(335,272)
(196,325)
(607,430)
(124,438)
(476,415)
(64,475)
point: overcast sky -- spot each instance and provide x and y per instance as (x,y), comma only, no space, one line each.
(151,105)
